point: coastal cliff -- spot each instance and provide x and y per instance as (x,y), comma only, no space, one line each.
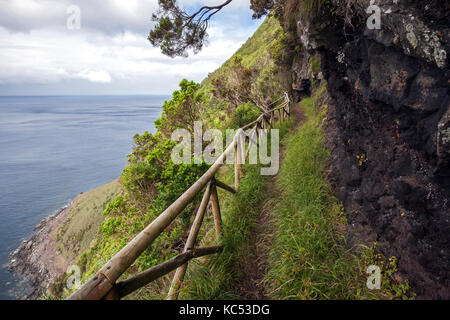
(58,240)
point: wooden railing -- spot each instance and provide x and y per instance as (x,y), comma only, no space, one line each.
(104,284)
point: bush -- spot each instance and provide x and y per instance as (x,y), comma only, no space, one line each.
(243,115)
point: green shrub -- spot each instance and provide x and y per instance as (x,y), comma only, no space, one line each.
(243,115)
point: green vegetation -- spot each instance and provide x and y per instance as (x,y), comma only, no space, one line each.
(243,115)
(182,110)
(314,65)
(257,47)
(268,79)
(391,288)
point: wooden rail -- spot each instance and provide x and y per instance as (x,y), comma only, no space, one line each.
(105,285)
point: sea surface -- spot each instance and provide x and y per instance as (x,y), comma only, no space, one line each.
(54,147)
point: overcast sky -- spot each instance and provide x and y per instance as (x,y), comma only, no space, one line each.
(109,54)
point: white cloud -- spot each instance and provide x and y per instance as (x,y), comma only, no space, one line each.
(110,50)
(95,76)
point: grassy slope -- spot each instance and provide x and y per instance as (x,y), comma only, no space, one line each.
(255,49)
(80,231)
(255,52)
(76,234)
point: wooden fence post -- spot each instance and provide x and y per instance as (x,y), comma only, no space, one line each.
(190,242)
(287,107)
(216,210)
(237,167)
(224,186)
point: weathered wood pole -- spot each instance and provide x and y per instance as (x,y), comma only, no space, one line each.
(251,140)
(288,104)
(224,186)
(124,288)
(237,167)
(190,242)
(216,211)
(269,126)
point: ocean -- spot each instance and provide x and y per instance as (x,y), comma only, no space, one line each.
(54,147)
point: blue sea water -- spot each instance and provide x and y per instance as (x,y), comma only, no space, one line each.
(53,148)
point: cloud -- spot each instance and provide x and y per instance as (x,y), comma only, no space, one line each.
(109,54)
(109,16)
(95,76)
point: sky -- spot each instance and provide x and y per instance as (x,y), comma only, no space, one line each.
(43,52)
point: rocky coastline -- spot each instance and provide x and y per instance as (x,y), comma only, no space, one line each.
(38,261)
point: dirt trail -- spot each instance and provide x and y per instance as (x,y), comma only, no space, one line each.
(255,265)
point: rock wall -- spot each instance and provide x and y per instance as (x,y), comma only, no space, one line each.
(389,128)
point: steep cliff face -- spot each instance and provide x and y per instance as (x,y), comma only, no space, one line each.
(388,127)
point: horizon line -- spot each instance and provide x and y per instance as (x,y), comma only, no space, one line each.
(86,95)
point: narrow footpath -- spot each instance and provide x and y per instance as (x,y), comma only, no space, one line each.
(255,265)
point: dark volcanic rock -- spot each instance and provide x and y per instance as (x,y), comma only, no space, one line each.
(389,100)
(443,148)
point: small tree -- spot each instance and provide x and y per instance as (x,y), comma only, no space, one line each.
(176,30)
(182,110)
(236,85)
(239,85)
